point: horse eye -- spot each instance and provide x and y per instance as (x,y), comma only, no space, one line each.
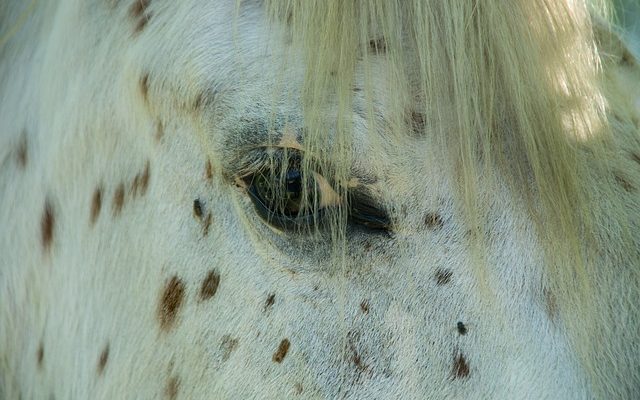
(287,199)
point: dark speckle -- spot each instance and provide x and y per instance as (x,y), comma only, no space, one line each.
(626,59)
(269,302)
(206,224)
(144,87)
(378,46)
(159,131)
(622,181)
(460,367)
(171,390)
(199,101)
(139,7)
(197,208)
(47,225)
(40,355)
(209,285)
(364,306)
(96,205)
(102,360)
(282,351)
(356,358)
(417,123)
(227,346)
(433,221)
(443,276)
(140,13)
(135,185)
(144,178)
(170,302)
(118,200)
(140,183)
(208,171)
(635,157)
(22,156)
(462,329)
(550,303)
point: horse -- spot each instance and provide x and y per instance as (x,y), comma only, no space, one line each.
(322,199)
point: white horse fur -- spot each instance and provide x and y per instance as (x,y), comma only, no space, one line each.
(133,263)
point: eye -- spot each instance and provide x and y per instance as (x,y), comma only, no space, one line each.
(287,199)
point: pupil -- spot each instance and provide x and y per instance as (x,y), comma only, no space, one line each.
(293,184)
(287,200)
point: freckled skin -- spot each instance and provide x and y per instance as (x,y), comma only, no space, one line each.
(131,247)
(170,302)
(47,225)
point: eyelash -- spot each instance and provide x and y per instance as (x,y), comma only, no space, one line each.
(309,214)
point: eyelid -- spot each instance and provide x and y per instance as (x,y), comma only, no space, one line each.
(363,210)
(328,196)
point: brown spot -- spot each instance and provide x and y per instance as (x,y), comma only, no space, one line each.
(208,171)
(460,367)
(550,304)
(352,338)
(138,8)
(22,156)
(199,101)
(227,346)
(144,86)
(627,58)
(635,157)
(139,12)
(118,199)
(144,179)
(269,302)
(417,123)
(364,306)
(378,46)
(159,131)
(47,225)
(281,353)
(197,208)
(622,181)
(367,246)
(135,185)
(170,302)
(209,285)
(102,361)
(462,329)
(297,388)
(206,224)
(443,276)
(96,205)
(433,221)
(40,355)
(357,361)
(171,390)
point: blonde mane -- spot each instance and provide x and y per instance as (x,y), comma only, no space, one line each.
(515,88)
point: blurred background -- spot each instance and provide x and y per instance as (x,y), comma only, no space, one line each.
(628,16)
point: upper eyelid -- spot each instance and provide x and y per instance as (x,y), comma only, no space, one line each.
(258,158)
